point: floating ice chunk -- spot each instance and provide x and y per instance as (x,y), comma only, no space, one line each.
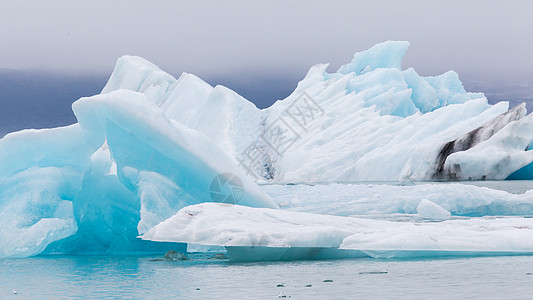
(262,233)
(235,225)
(429,210)
(458,237)
(386,201)
(161,166)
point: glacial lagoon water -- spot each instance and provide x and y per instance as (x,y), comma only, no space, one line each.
(128,277)
(203,277)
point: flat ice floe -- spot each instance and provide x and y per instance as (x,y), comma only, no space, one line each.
(400,202)
(266,234)
(362,220)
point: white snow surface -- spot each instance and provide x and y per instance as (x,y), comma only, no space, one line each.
(240,226)
(400,202)
(377,220)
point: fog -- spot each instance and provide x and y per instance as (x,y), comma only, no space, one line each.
(259,49)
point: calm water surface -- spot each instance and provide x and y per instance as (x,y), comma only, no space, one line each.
(86,277)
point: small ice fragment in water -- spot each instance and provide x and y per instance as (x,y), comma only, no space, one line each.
(220,256)
(328,280)
(174,255)
(430,210)
(375,272)
(280,285)
(156,259)
(407,182)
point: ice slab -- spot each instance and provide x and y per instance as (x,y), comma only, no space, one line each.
(261,233)
(400,202)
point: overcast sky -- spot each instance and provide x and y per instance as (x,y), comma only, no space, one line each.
(488,41)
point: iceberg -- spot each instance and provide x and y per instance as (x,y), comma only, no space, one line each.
(369,114)
(347,125)
(268,234)
(150,145)
(94,186)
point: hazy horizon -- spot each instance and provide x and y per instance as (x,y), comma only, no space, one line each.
(479,39)
(42,99)
(259,49)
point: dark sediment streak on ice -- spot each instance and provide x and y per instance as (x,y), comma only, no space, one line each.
(471,139)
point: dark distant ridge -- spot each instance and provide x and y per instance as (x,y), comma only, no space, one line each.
(42,99)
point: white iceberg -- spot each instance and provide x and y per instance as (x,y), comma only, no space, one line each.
(268,234)
(369,121)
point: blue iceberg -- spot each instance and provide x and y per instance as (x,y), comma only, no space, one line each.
(150,145)
(93,187)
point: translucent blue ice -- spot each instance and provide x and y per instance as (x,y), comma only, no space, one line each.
(150,145)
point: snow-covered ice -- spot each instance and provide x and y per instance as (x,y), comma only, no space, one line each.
(261,233)
(398,202)
(358,220)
